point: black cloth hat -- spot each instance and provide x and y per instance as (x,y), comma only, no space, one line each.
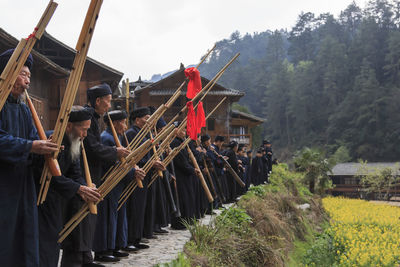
(232,144)
(266,142)
(6,55)
(205,138)
(79,115)
(98,91)
(219,138)
(115,115)
(139,113)
(160,123)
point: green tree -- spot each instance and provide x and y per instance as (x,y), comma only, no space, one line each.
(316,167)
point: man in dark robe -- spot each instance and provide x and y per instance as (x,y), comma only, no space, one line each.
(63,188)
(19,235)
(137,201)
(243,163)
(162,198)
(105,238)
(185,175)
(209,158)
(268,154)
(232,160)
(78,245)
(219,163)
(257,169)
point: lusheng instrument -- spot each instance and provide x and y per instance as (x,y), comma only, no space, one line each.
(92,206)
(82,48)
(21,53)
(118,144)
(229,168)
(51,162)
(200,175)
(116,173)
(210,180)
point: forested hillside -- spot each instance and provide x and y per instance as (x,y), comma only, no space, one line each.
(329,82)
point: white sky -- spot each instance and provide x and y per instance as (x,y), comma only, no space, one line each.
(145,37)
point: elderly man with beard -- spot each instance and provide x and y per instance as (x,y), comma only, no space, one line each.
(78,245)
(112,226)
(19,233)
(70,184)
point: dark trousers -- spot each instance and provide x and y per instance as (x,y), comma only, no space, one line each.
(76,258)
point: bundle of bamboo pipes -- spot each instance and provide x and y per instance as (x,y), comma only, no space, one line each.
(202,94)
(138,150)
(82,48)
(112,179)
(21,53)
(163,146)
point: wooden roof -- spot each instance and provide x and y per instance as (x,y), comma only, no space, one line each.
(155,89)
(11,42)
(352,168)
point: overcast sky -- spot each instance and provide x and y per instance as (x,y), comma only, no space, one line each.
(145,37)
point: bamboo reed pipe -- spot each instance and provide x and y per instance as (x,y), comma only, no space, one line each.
(82,48)
(21,53)
(92,206)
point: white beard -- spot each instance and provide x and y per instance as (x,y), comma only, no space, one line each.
(75,150)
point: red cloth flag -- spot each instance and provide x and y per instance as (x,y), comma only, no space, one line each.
(200,117)
(194,85)
(191,126)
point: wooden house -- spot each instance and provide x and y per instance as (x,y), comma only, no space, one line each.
(233,124)
(346,176)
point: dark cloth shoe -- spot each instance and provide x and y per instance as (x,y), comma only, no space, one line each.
(92,264)
(160,232)
(178,226)
(120,254)
(106,258)
(130,248)
(141,246)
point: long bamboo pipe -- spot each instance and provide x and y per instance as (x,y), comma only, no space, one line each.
(92,206)
(50,161)
(82,48)
(21,53)
(200,175)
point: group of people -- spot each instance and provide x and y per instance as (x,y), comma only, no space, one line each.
(30,233)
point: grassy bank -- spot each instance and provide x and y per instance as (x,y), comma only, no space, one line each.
(260,229)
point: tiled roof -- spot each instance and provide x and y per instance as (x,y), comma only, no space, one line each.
(247,115)
(227,92)
(352,168)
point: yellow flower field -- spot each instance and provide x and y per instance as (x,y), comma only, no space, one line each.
(364,233)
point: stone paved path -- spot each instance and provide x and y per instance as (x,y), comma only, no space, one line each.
(163,249)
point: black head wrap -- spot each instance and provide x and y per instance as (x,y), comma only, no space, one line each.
(79,115)
(266,142)
(6,55)
(115,115)
(232,144)
(98,91)
(139,113)
(160,123)
(204,138)
(219,138)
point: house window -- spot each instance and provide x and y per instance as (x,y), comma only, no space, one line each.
(211,124)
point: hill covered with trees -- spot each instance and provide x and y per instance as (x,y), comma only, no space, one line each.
(331,82)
